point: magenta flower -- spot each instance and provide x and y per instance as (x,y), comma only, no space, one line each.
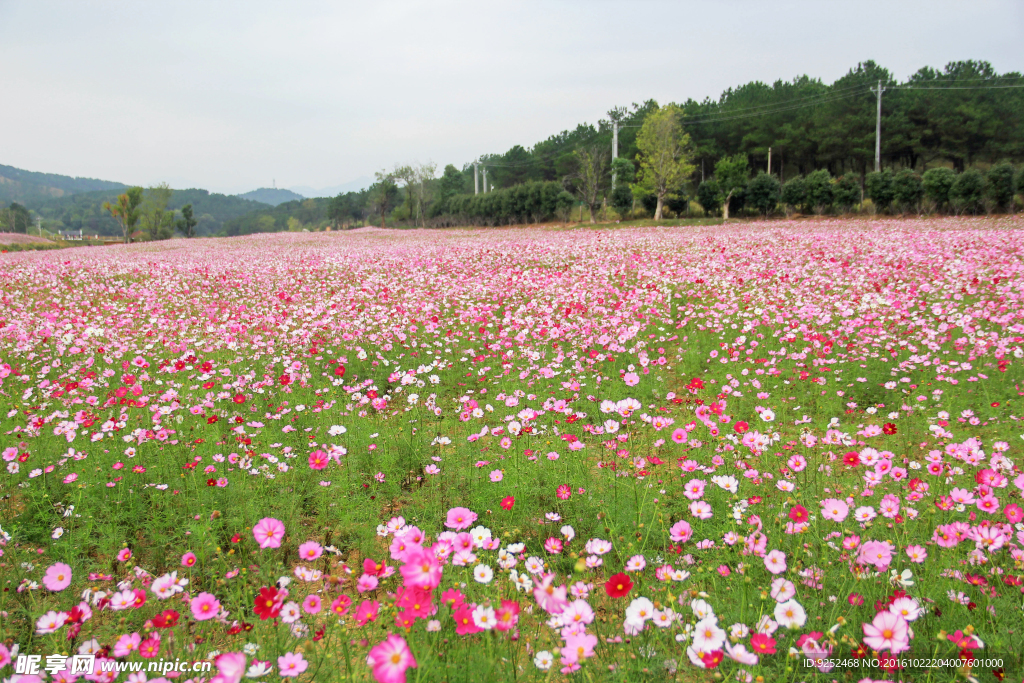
(188,559)
(553,545)
(57,577)
(204,606)
(681,532)
(312,604)
(269,532)
(390,659)
(460,518)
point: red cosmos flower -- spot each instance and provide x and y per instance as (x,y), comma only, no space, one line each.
(712,659)
(236,538)
(798,513)
(889,428)
(371,394)
(741,427)
(239,398)
(267,606)
(285,379)
(860,652)
(339,371)
(851,459)
(166,619)
(212,419)
(507,502)
(618,586)
(207,385)
(211,482)
(762,644)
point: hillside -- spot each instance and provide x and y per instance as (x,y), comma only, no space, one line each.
(271,195)
(18,185)
(85,211)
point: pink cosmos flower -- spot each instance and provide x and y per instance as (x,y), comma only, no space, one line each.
(775,561)
(460,518)
(57,577)
(553,545)
(887,631)
(310,550)
(916,553)
(124,555)
(188,559)
(291,664)
(564,492)
(367,611)
(269,532)
(126,644)
(496,476)
(834,509)
(367,582)
(312,604)
(681,532)
(421,570)
(204,606)
(318,460)
(679,435)
(230,668)
(390,659)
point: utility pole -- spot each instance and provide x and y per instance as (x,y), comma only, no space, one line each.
(615,148)
(485,179)
(476,178)
(878,128)
(769,161)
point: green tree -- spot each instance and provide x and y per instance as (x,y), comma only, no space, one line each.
(907,189)
(967,191)
(1001,186)
(794,193)
(937,183)
(126,211)
(187,223)
(819,191)
(450,185)
(664,154)
(563,204)
(588,180)
(846,192)
(709,196)
(156,221)
(763,193)
(879,189)
(731,174)
(16,218)
(384,192)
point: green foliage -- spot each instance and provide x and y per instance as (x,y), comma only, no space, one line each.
(187,223)
(383,194)
(664,154)
(794,192)
(846,192)
(624,170)
(907,189)
(967,191)
(622,199)
(709,196)
(125,211)
(530,202)
(819,191)
(157,222)
(937,183)
(15,218)
(763,193)
(588,180)
(452,183)
(271,195)
(880,190)
(1001,186)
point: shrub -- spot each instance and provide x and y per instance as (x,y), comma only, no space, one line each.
(763,193)
(819,191)
(794,193)
(709,196)
(1001,186)
(937,183)
(879,189)
(622,199)
(907,189)
(967,191)
(846,193)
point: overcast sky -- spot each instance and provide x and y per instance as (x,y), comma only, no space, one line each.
(231,96)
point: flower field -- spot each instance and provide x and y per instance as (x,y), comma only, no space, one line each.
(767,452)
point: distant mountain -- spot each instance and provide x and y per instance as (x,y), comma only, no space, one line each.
(360,183)
(271,195)
(17,185)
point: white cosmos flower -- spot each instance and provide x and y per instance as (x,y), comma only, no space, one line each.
(482,573)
